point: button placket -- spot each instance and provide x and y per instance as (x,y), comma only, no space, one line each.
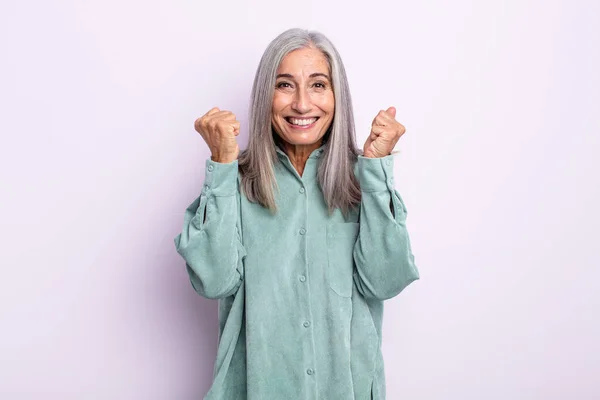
(305,300)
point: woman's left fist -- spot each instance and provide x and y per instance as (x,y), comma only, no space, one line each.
(385,132)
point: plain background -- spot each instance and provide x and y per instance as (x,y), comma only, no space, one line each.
(498,169)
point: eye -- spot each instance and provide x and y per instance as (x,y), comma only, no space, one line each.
(320,85)
(283,85)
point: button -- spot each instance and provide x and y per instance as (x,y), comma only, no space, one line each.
(306,324)
(210,167)
(302,278)
(391,181)
(301,190)
(310,371)
(206,187)
(302,231)
(388,162)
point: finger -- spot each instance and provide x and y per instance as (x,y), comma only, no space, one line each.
(387,117)
(200,125)
(223,116)
(375,134)
(383,118)
(391,111)
(402,129)
(379,120)
(212,111)
(378,130)
(236,128)
(228,126)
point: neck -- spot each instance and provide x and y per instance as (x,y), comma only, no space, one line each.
(298,153)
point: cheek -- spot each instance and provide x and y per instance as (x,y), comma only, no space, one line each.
(279,104)
(331,101)
(326,102)
(275,105)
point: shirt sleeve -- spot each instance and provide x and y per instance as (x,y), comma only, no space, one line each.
(210,241)
(384,260)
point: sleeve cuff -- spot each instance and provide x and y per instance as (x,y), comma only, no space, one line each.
(376,174)
(220,178)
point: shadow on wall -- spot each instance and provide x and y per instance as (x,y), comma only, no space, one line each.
(188,322)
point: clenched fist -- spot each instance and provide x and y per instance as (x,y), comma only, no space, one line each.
(385,132)
(219,129)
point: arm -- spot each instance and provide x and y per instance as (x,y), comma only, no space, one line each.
(382,253)
(210,240)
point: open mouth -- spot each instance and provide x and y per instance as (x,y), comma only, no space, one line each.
(301,123)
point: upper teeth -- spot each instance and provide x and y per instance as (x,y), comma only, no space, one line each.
(302,121)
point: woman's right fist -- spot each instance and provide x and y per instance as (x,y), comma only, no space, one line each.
(219,129)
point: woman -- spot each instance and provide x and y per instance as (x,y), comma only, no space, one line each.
(301,238)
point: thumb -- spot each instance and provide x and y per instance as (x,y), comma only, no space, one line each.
(391,111)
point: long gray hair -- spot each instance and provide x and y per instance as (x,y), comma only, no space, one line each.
(335,176)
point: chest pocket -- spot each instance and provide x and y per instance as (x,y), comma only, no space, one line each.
(341,237)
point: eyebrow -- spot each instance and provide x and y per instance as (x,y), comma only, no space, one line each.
(290,76)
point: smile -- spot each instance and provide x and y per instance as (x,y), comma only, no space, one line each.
(303,123)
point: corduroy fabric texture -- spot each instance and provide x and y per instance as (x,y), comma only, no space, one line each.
(300,292)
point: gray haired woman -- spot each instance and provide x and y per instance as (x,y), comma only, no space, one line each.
(301,236)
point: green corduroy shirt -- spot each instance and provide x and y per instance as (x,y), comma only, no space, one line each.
(300,292)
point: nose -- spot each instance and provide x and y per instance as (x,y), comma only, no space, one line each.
(302,103)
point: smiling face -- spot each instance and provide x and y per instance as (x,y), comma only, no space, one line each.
(303,101)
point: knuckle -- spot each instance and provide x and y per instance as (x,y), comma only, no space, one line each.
(211,125)
(223,126)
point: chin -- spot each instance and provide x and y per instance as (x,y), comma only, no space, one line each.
(302,139)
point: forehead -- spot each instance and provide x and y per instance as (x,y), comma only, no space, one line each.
(306,60)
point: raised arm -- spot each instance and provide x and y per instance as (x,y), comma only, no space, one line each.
(210,240)
(384,261)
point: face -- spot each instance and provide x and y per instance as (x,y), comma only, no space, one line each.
(303,102)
